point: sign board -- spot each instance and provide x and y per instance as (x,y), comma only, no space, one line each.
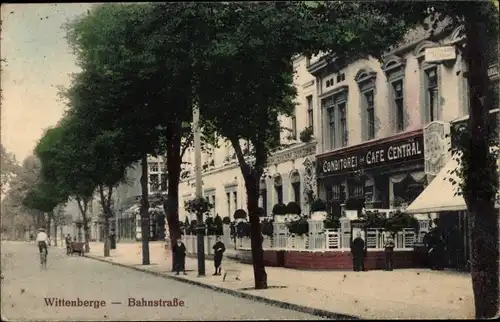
(351,214)
(436,145)
(382,154)
(438,54)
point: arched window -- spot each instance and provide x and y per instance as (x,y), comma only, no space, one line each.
(295,180)
(278,188)
(263,195)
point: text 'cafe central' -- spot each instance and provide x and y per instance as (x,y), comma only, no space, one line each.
(379,174)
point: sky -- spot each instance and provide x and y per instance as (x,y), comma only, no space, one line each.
(38,61)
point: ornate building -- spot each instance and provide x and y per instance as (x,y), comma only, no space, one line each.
(289,173)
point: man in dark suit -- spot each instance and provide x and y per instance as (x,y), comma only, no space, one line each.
(179,251)
(358,253)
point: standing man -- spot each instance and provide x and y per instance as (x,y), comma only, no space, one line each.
(358,253)
(179,251)
(389,253)
(219,249)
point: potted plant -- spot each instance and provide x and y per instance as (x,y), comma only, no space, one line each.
(318,210)
(240,215)
(298,227)
(226,220)
(267,227)
(293,208)
(218,225)
(307,134)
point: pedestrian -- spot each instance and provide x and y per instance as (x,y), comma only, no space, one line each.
(219,249)
(389,253)
(68,244)
(179,251)
(74,239)
(358,253)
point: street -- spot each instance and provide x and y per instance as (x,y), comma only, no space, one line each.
(27,290)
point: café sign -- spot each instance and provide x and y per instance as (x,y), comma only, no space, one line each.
(383,154)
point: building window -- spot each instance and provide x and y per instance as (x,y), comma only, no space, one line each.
(163,182)
(153,167)
(343,123)
(228,201)
(370,114)
(263,195)
(335,106)
(294,125)
(235,200)
(331,127)
(310,113)
(397,90)
(431,94)
(153,182)
(295,180)
(278,188)
(340,77)
(214,212)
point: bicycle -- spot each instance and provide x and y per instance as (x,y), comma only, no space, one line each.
(43,259)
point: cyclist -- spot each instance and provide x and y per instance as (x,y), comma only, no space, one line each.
(42,240)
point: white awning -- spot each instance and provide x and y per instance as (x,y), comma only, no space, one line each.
(439,195)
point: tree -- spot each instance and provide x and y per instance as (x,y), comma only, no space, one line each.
(65,165)
(129,40)
(8,167)
(478,171)
(249,68)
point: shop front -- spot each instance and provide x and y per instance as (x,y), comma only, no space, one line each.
(381,174)
(441,198)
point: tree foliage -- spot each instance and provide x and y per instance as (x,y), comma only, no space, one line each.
(8,167)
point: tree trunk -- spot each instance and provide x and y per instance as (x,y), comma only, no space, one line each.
(86,235)
(82,205)
(61,233)
(481,174)
(145,211)
(171,205)
(49,222)
(259,271)
(55,233)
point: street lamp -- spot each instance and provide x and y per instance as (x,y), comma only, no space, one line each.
(200,225)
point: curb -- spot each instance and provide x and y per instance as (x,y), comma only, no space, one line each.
(285,305)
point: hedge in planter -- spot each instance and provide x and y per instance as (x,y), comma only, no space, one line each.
(210,227)
(279,209)
(318,205)
(298,227)
(401,220)
(332,221)
(218,225)
(293,208)
(267,227)
(243,230)
(240,214)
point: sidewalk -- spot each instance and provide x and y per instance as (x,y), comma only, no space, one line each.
(400,294)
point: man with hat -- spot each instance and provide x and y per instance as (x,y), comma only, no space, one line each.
(42,240)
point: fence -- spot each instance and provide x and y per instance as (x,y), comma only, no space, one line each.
(332,239)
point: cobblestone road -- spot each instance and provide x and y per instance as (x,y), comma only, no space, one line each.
(26,288)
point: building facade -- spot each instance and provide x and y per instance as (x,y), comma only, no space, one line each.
(372,152)
(289,173)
